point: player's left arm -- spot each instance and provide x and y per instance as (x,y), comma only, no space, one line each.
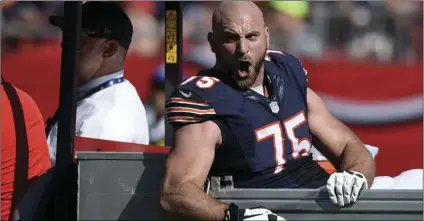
(336,141)
(344,149)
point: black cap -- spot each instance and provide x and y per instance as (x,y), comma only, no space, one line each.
(103,20)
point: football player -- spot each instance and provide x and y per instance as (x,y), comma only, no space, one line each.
(252,116)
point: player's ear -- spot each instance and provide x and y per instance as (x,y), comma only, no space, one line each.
(211,41)
(109,48)
(267,33)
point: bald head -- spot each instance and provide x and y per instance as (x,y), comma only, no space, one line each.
(239,39)
(236,12)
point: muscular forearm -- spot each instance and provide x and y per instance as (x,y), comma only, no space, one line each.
(356,157)
(191,202)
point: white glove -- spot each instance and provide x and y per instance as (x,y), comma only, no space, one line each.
(234,213)
(344,187)
(260,214)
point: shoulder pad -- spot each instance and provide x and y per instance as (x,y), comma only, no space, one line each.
(192,101)
(286,59)
(205,88)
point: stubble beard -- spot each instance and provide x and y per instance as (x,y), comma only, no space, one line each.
(246,83)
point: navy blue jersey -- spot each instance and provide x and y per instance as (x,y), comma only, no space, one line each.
(266,139)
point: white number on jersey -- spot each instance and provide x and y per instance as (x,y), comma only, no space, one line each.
(203,82)
(274,130)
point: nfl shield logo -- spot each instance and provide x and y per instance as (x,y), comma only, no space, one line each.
(274,107)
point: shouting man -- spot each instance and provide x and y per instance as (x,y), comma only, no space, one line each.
(252,116)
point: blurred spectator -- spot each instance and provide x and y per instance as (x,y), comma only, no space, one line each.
(27,21)
(22,130)
(109,106)
(380,31)
(402,15)
(156,110)
(290,31)
(207,58)
(196,25)
(146,39)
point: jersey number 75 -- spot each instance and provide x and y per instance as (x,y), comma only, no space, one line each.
(300,147)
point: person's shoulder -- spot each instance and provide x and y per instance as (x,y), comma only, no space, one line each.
(282,57)
(203,84)
(127,85)
(34,128)
(127,97)
(191,101)
(121,98)
(121,92)
(206,86)
(29,106)
(25,98)
(290,62)
(201,98)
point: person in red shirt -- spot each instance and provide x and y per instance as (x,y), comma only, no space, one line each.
(38,155)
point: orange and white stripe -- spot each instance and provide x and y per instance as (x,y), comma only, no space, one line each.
(189,110)
(182,119)
(187,101)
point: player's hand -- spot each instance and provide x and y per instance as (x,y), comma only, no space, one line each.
(252,214)
(344,187)
(260,214)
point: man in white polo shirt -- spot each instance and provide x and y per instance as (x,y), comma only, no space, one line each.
(108,106)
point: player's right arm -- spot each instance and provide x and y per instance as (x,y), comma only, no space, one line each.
(187,168)
(196,136)
(191,156)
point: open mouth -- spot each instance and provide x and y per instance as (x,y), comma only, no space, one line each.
(243,70)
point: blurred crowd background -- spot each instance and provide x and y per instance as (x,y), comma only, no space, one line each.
(351,34)
(383,31)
